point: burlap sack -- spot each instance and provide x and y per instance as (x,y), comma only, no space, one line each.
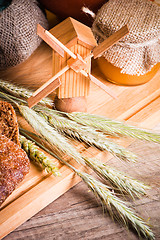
(18,38)
(139,51)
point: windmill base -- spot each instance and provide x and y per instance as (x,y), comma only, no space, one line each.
(75,104)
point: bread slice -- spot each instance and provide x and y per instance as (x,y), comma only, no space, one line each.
(14,165)
(14,162)
(8,122)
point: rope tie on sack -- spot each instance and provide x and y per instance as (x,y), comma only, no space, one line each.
(89,12)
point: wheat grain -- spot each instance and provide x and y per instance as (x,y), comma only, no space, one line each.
(18,91)
(118,179)
(85,133)
(113,127)
(109,200)
(36,155)
(49,134)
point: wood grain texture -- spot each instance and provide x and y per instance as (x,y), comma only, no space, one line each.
(70,32)
(72,84)
(43,91)
(50,40)
(80,215)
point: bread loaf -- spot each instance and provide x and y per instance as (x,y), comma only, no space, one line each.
(8,122)
(14,163)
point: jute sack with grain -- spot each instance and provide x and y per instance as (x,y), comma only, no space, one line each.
(139,51)
(18,26)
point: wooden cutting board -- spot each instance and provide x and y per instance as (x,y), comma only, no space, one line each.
(139,105)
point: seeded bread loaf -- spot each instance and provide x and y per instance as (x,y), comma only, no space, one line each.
(14,165)
(8,122)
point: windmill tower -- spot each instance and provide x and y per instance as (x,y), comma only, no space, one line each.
(73,46)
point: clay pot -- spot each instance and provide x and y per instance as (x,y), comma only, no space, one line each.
(72,8)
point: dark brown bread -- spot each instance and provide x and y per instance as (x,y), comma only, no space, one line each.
(8,122)
(14,165)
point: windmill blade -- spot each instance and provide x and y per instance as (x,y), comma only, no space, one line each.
(33,100)
(43,34)
(46,88)
(110,41)
(102,86)
(53,42)
(99,84)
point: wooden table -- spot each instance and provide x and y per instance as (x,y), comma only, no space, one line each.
(76,214)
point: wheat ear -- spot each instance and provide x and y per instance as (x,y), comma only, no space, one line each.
(18,91)
(100,190)
(113,127)
(36,155)
(85,133)
(41,126)
(109,200)
(124,183)
(90,136)
(118,179)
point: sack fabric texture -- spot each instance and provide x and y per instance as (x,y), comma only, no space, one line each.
(138,51)
(18,27)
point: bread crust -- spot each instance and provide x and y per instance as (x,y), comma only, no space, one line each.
(8,122)
(14,165)
(14,162)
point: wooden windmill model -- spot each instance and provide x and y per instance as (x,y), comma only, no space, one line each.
(73,46)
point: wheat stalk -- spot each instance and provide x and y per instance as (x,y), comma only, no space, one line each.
(36,155)
(124,183)
(48,133)
(118,179)
(90,136)
(84,133)
(108,199)
(22,92)
(113,127)
(100,190)
(41,126)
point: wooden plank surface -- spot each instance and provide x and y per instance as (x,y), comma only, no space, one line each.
(140,105)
